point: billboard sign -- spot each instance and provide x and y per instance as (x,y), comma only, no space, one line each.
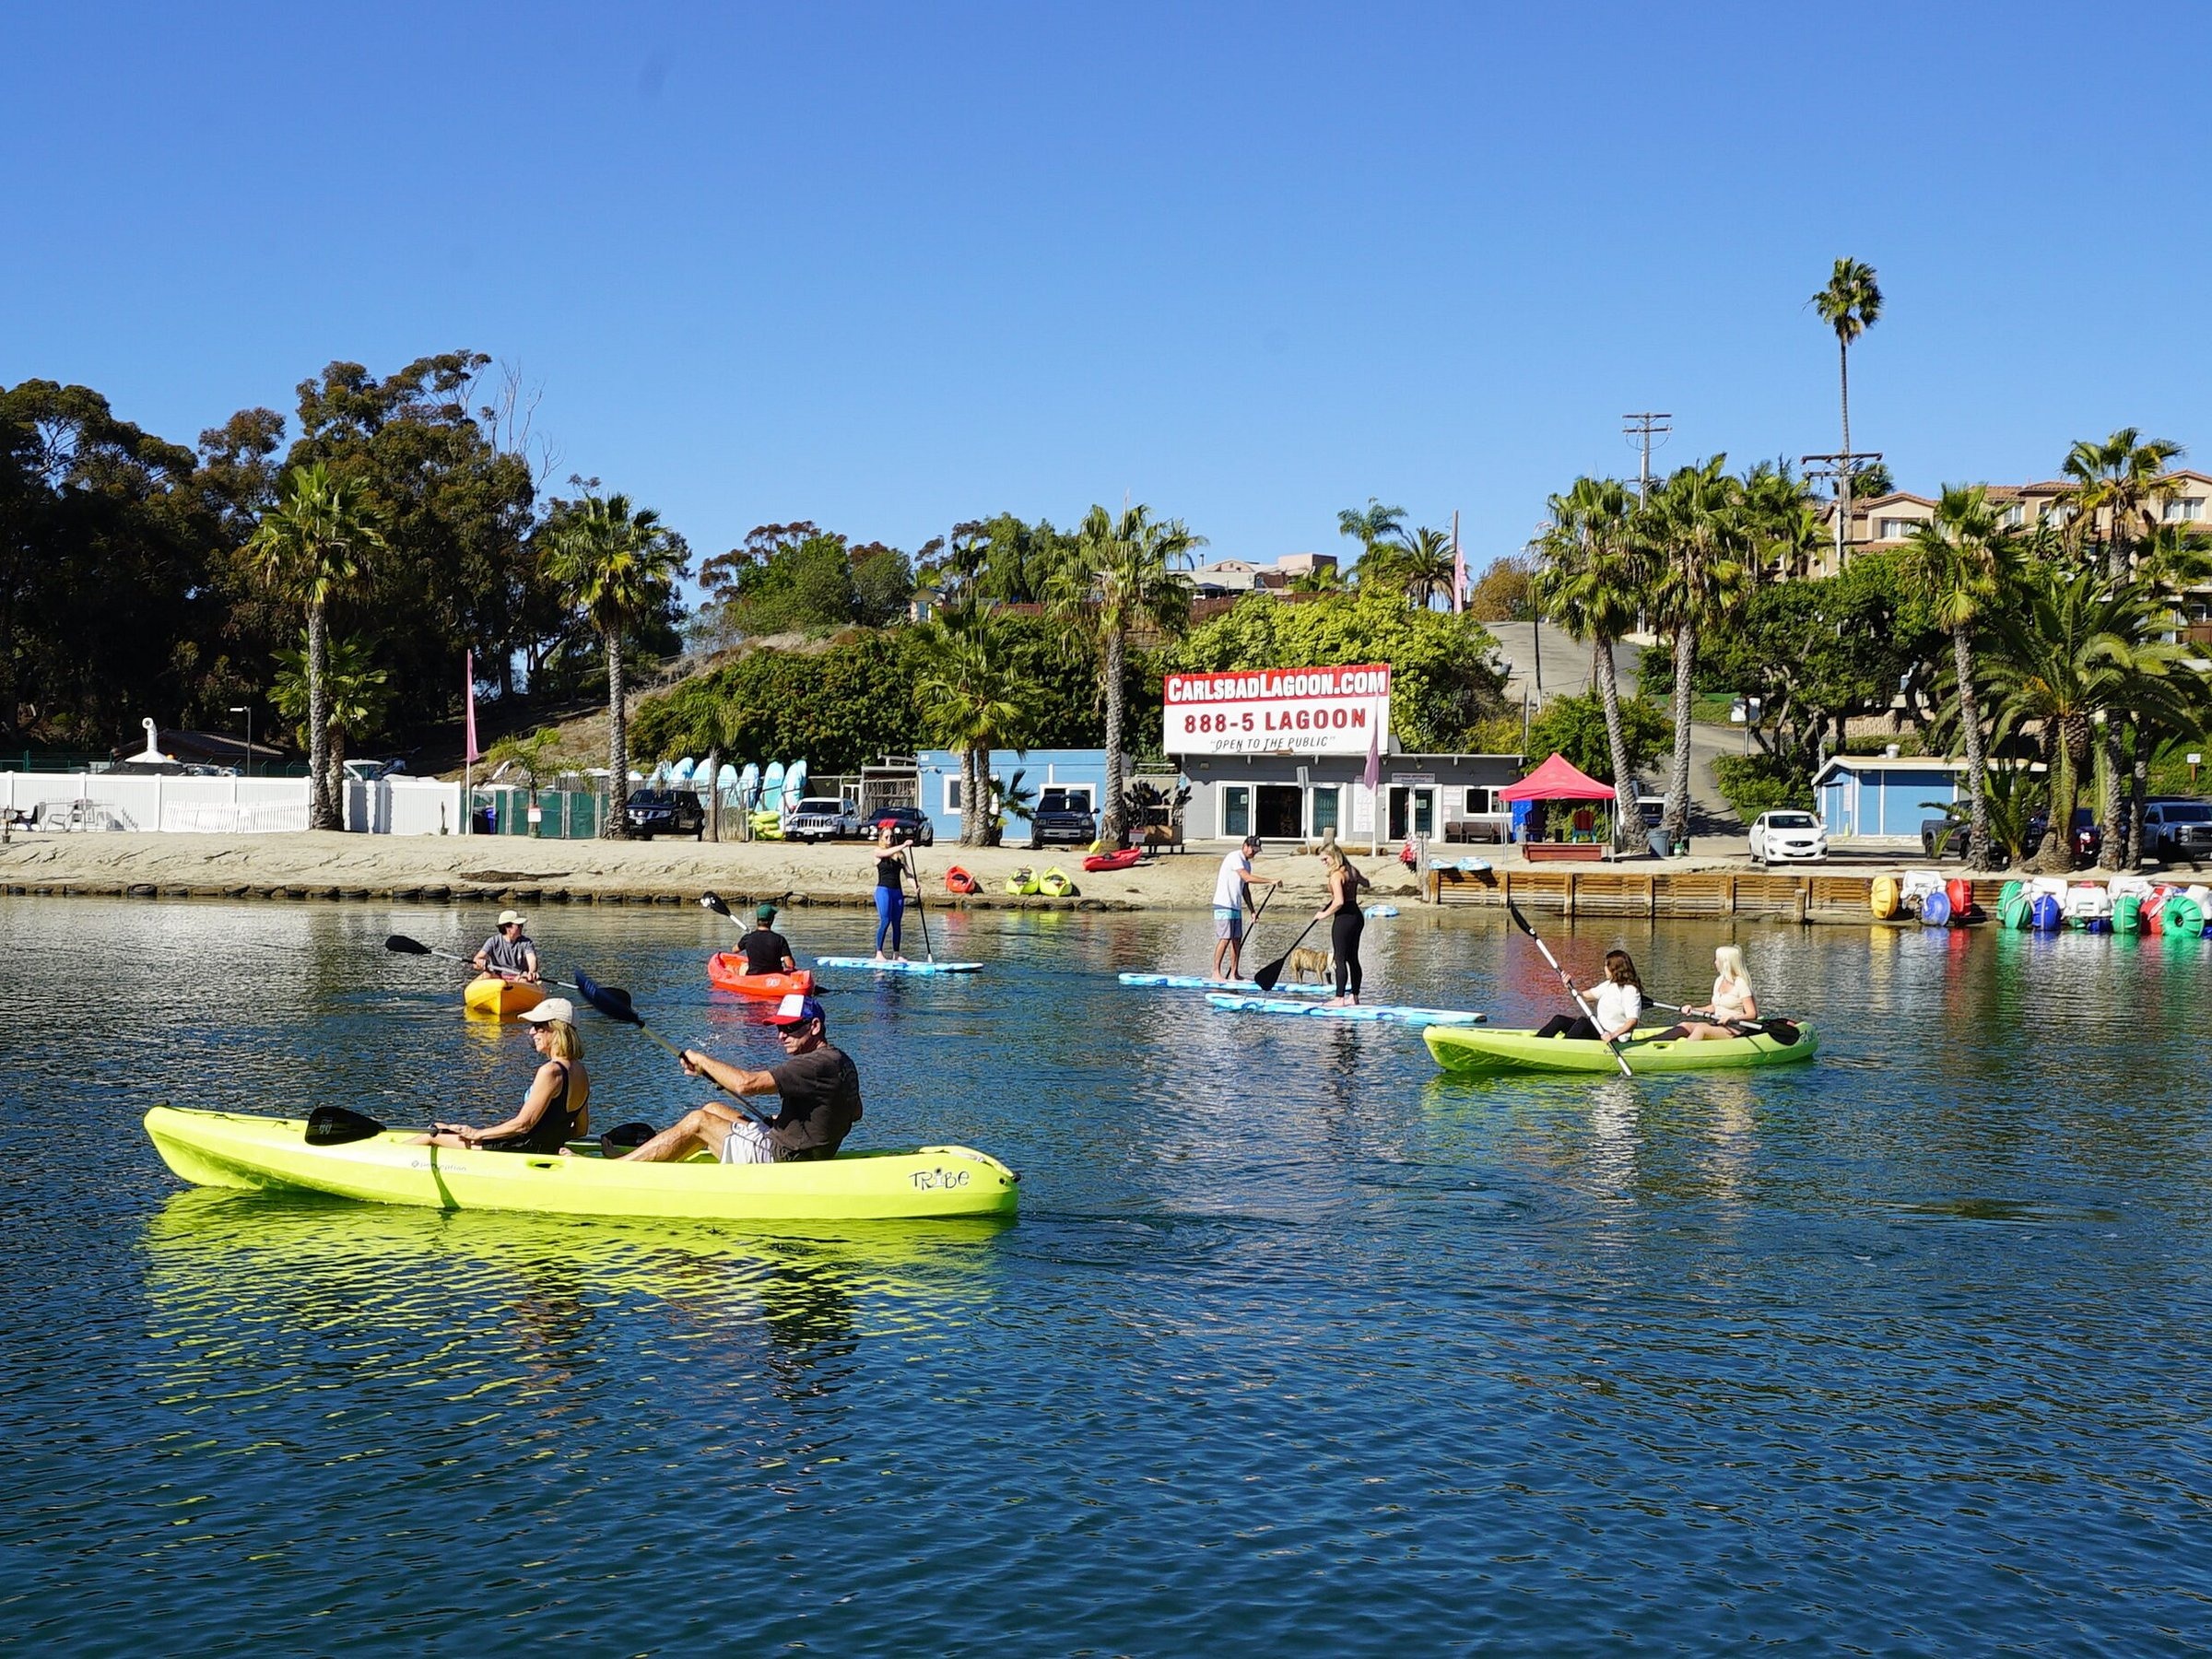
(1279,710)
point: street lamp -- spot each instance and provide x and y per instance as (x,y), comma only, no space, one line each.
(248,712)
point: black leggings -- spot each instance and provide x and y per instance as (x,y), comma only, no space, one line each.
(1577,1026)
(1345,929)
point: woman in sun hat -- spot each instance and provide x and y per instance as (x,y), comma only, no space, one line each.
(557,1109)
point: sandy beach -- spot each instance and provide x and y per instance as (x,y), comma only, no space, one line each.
(520,870)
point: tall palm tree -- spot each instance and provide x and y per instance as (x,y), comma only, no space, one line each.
(2120,482)
(1692,531)
(973,698)
(1125,574)
(1423,564)
(313,545)
(617,564)
(1594,578)
(1850,304)
(355,691)
(1963,557)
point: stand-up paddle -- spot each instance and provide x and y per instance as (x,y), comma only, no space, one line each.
(1266,978)
(1588,1012)
(921,907)
(400,944)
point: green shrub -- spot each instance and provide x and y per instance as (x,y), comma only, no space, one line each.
(1757,784)
(1575,727)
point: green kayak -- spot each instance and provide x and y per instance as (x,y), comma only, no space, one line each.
(1488,1049)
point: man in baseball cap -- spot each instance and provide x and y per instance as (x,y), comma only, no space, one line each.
(510,952)
(766,951)
(816,1089)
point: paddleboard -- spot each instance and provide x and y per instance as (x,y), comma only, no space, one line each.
(771,788)
(897,967)
(1365,1011)
(794,786)
(1193,981)
(748,785)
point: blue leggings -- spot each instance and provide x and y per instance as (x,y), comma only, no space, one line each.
(891,906)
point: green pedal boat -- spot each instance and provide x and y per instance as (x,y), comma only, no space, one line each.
(230,1149)
(1488,1049)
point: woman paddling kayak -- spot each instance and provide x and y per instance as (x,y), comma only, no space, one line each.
(557,1107)
(1730,1006)
(1618,1004)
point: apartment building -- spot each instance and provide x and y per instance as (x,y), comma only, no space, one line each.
(1883,524)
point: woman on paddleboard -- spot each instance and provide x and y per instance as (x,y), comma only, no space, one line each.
(1347,923)
(557,1109)
(1732,1001)
(890,893)
(1618,1004)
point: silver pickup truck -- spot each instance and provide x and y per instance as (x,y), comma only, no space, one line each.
(823,817)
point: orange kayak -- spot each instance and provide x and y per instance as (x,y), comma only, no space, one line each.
(725,971)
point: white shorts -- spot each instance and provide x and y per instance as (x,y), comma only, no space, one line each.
(747,1144)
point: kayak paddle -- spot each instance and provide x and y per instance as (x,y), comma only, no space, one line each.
(1782,1029)
(403,945)
(340,1126)
(713,901)
(1588,1012)
(614,1002)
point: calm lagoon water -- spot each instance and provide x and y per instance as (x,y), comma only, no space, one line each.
(1295,1348)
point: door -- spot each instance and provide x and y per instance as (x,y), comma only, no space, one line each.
(1412,812)
(1279,808)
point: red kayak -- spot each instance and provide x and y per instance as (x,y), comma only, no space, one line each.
(1126,859)
(725,971)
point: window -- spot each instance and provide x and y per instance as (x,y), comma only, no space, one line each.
(2184,509)
(1066,797)
(1328,807)
(2014,515)
(1481,800)
(952,795)
(1891,529)
(1236,811)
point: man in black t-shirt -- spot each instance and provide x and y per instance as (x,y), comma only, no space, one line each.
(766,951)
(816,1088)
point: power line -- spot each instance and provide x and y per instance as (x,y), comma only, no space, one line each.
(1641,431)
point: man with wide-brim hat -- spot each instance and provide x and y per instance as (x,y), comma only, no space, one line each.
(816,1089)
(509,953)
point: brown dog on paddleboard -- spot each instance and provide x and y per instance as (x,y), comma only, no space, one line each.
(1306,963)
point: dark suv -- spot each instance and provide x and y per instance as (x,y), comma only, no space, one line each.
(1063,816)
(666,812)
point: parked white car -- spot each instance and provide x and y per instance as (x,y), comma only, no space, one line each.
(1787,836)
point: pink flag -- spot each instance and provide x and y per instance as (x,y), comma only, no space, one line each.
(1459,568)
(1374,757)
(468,702)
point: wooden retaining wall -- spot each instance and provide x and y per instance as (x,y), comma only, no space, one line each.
(1666,893)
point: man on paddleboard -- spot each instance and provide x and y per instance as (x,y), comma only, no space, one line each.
(510,952)
(818,1088)
(1232,898)
(766,951)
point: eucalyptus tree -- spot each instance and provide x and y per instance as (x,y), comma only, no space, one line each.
(1126,574)
(973,697)
(1692,528)
(1962,558)
(1850,304)
(2121,483)
(1592,582)
(315,545)
(617,564)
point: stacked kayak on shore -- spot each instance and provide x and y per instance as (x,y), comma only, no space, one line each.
(725,971)
(1496,1050)
(230,1149)
(497,998)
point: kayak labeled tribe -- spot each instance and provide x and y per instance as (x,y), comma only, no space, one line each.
(771,1149)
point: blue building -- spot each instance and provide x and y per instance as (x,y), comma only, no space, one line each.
(1079,772)
(1882,797)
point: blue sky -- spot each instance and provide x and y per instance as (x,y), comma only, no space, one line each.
(887,267)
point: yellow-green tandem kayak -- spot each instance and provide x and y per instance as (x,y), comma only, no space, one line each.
(1471,1049)
(230,1149)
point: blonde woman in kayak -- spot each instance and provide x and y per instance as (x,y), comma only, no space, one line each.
(557,1107)
(1732,1000)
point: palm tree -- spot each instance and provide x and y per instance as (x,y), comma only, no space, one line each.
(1849,305)
(1423,564)
(2170,561)
(313,545)
(1594,578)
(973,698)
(1692,532)
(1124,574)
(2122,480)
(617,565)
(1371,526)
(1780,522)
(354,695)
(1962,556)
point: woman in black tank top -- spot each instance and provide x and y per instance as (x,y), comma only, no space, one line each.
(557,1107)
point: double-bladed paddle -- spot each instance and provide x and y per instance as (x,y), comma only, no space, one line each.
(401,945)
(1782,1029)
(614,1002)
(1590,1014)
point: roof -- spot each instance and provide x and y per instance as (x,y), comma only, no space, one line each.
(1558,779)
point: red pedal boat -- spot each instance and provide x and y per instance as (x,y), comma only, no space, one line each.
(725,971)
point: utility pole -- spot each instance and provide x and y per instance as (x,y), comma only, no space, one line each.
(1641,431)
(1842,468)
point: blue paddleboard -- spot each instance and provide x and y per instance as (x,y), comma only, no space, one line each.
(1366,1011)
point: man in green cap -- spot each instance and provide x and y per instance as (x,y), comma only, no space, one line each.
(766,951)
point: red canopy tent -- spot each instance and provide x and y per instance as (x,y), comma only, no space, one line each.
(1558,780)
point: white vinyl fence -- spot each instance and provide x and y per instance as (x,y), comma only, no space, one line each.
(92,801)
